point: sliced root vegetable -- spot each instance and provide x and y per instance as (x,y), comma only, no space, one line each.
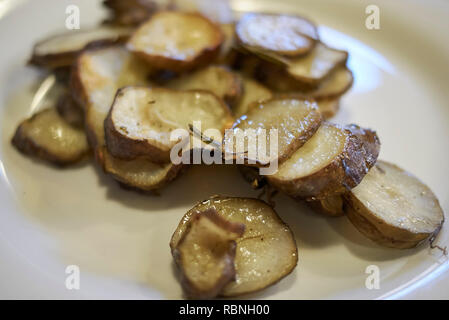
(393,208)
(281,34)
(336,85)
(219,80)
(177,41)
(295,121)
(333,161)
(206,252)
(265,253)
(139,174)
(142,119)
(70,110)
(97,76)
(330,206)
(252,92)
(61,50)
(316,66)
(47,136)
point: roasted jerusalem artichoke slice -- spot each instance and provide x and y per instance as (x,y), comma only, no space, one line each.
(393,208)
(219,80)
(265,253)
(206,252)
(142,119)
(281,34)
(252,92)
(296,120)
(177,41)
(97,76)
(61,50)
(47,136)
(316,66)
(333,161)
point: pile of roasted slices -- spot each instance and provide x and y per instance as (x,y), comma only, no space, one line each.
(151,69)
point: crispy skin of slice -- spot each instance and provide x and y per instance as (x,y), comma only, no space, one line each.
(142,119)
(393,208)
(252,92)
(205,254)
(61,50)
(70,110)
(177,41)
(331,206)
(265,253)
(252,176)
(333,161)
(96,77)
(281,34)
(47,136)
(295,119)
(220,80)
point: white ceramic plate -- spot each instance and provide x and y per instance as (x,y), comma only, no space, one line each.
(52,218)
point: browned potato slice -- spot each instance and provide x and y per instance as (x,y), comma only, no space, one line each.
(281,34)
(61,50)
(97,76)
(334,160)
(177,41)
(330,206)
(205,254)
(265,253)
(48,137)
(393,208)
(70,110)
(317,65)
(221,81)
(252,92)
(141,120)
(295,120)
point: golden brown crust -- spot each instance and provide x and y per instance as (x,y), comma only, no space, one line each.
(342,174)
(201,59)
